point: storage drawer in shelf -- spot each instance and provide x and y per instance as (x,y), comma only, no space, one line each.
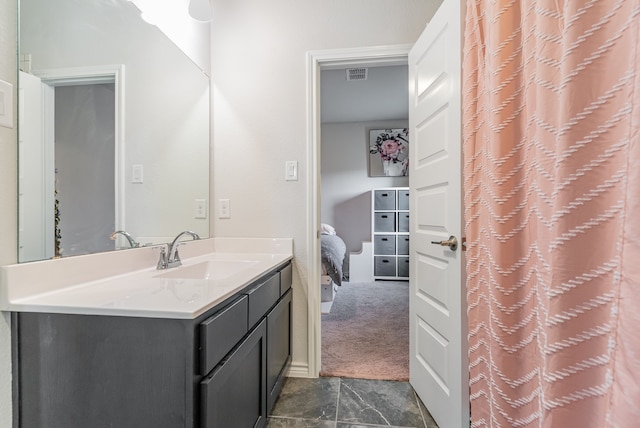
(220,333)
(384,266)
(384,200)
(262,297)
(384,244)
(403,244)
(403,267)
(385,222)
(403,221)
(403,200)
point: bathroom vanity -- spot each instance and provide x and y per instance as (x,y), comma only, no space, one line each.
(185,364)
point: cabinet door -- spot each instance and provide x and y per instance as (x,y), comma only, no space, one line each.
(278,347)
(234,395)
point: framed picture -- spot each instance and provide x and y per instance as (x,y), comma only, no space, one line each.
(389,152)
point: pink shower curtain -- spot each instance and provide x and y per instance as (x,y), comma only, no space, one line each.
(551,112)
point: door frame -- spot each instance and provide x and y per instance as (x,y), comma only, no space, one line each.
(91,75)
(317,61)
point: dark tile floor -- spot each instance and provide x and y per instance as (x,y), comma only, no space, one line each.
(331,402)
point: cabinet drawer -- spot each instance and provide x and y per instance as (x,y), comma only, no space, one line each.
(384,244)
(262,297)
(384,200)
(384,222)
(403,244)
(285,279)
(384,266)
(221,332)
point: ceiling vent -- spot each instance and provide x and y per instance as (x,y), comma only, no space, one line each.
(357,73)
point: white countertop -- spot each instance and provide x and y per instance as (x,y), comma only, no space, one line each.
(79,285)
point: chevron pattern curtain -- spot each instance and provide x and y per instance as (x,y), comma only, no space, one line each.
(551,112)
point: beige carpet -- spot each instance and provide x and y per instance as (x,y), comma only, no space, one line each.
(366,335)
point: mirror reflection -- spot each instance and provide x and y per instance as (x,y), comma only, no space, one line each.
(113,131)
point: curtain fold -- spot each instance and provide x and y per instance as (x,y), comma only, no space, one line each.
(552,211)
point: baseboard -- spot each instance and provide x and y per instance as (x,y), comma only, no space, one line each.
(299,370)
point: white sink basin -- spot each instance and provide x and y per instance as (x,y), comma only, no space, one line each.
(210,269)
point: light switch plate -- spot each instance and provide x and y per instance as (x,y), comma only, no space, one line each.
(6,104)
(291,170)
(137,173)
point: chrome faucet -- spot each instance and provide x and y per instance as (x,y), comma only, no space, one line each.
(132,242)
(172,258)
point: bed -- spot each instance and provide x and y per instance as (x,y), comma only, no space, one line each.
(333,251)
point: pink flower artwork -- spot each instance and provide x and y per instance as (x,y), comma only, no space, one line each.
(392,146)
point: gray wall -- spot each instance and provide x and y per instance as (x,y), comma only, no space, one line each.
(85,163)
(346,198)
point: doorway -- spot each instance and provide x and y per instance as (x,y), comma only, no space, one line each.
(84,162)
(316,62)
(45,100)
(364,321)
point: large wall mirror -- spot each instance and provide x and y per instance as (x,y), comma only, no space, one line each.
(113,131)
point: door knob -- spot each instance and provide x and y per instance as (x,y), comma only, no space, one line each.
(452,243)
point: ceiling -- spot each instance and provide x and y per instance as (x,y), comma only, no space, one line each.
(382,96)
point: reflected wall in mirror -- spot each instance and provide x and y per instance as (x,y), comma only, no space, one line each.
(113,130)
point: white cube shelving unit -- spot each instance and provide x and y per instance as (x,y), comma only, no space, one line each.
(390,233)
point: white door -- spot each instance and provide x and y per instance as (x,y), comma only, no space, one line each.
(35,174)
(437,308)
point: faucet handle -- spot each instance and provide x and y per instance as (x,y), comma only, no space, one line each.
(162,261)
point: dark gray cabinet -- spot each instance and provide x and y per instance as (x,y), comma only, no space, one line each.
(223,369)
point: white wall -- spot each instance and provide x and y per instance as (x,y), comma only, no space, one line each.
(346,185)
(259,110)
(8,196)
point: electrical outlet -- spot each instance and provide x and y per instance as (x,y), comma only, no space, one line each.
(224,208)
(201,208)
